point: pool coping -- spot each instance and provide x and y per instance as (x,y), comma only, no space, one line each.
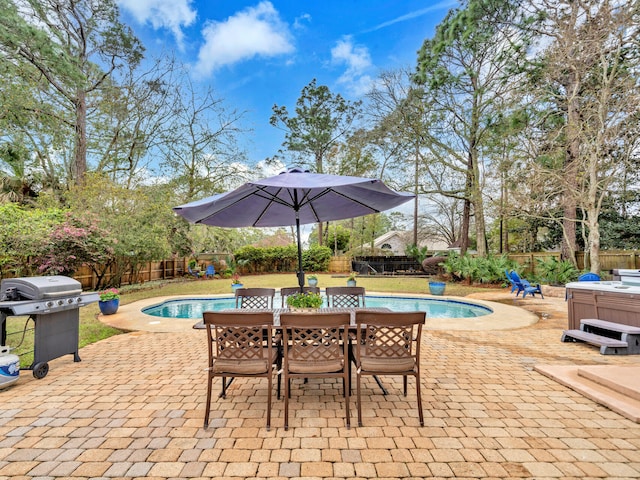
(130,318)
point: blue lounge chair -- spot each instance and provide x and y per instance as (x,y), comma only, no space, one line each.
(210,272)
(193,272)
(514,287)
(524,286)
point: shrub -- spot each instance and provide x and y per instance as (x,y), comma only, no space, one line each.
(556,272)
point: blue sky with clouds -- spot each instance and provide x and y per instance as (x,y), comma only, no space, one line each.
(259,53)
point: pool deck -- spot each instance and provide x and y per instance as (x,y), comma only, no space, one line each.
(133,408)
(504,317)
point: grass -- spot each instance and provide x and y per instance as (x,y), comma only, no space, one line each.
(93,330)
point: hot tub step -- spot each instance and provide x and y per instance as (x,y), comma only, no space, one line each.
(611,326)
(608,345)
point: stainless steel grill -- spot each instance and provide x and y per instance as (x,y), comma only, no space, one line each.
(54,305)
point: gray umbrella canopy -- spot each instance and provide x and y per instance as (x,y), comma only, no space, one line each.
(294,197)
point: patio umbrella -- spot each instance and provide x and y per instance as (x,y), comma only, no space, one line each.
(295,197)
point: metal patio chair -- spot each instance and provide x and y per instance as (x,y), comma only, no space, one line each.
(255,297)
(315,346)
(388,344)
(345,296)
(237,348)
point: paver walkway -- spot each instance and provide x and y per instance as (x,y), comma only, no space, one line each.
(133,408)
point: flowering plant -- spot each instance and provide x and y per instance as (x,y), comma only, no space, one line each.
(352,276)
(235,279)
(109,294)
(305,300)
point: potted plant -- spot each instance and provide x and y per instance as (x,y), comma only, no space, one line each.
(109,301)
(236,283)
(304,301)
(312,280)
(437,288)
(351,279)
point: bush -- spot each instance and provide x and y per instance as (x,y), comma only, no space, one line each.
(556,272)
(489,269)
(316,259)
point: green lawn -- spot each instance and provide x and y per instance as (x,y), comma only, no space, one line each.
(92,330)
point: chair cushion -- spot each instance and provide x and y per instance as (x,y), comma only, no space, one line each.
(387,365)
(240,367)
(315,366)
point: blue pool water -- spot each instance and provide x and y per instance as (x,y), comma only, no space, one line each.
(435,308)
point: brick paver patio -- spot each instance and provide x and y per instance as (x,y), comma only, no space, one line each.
(134,406)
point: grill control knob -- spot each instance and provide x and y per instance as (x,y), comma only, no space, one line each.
(49,303)
(79,299)
(60,302)
(69,300)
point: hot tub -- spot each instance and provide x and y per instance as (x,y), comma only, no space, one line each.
(614,301)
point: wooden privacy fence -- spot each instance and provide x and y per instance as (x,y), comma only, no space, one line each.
(175,268)
(609,259)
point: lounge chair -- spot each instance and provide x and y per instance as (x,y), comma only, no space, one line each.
(524,286)
(514,287)
(210,272)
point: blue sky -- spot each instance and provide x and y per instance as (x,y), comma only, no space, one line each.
(259,53)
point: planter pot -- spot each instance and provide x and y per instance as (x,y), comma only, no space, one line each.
(313,282)
(303,310)
(437,288)
(109,307)
(235,286)
(351,283)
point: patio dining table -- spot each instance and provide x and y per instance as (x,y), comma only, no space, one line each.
(277,311)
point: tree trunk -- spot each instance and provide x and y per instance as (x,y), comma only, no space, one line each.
(80,154)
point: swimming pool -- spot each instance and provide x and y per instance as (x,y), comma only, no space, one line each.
(435,308)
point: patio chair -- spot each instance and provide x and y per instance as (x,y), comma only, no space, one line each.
(195,273)
(388,344)
(286,291)
(210,271)
(514,287)
(345,297)
(315,346)
(524,286)
(237,348)
(255,297)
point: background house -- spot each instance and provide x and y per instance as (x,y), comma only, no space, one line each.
(396,242)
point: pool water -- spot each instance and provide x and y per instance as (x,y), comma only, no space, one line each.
(435,308)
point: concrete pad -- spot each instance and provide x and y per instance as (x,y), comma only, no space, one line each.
(624,379)
(578,378)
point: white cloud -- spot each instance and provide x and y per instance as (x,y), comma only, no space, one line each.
(169,14)
(358,62)
(255,31)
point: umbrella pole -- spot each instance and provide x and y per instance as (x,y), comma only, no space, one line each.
(300,272)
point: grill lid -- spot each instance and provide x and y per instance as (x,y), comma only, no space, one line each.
(37,288)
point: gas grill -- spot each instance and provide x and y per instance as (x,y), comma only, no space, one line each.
(54,305)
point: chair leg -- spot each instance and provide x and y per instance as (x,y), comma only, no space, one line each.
(419,399)
(208,407)
(404,382)
(287,394)
(270,386)
(358,399)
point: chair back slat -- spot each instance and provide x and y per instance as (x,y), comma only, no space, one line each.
(255,298)
(345,297)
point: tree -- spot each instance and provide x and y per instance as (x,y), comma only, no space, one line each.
(73,47)
(322,119)
(588,71)
(200,149)
(465,69)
